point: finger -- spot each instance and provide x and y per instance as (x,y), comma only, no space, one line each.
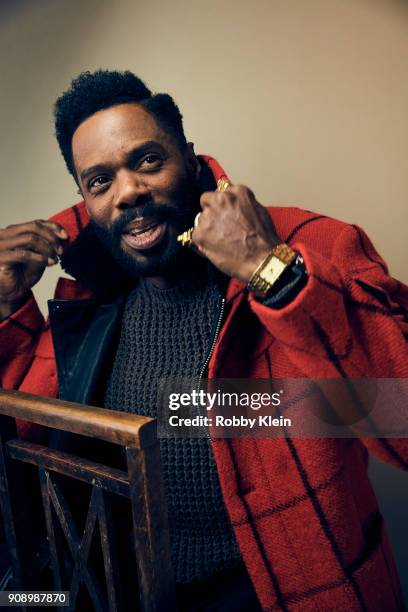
(21,256)
(47,228)
(200,231)
(48,231)
(54,230)
(209,199)
(57,228)
(196,248)
(242,190)
(31,242)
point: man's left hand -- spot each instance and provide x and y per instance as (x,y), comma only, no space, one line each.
(234,231)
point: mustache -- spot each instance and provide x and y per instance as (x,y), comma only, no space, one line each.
(161,212)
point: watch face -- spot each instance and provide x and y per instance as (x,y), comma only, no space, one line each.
(273,270)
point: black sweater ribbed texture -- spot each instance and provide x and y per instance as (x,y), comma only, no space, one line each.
(168,333)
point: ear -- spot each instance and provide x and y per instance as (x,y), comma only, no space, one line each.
(78,186)
(193,161)
(79,192)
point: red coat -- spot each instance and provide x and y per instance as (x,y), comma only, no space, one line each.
(303,510)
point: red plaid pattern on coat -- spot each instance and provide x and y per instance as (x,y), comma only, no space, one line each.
(303,510)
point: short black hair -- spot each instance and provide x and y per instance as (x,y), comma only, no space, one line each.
(91,92)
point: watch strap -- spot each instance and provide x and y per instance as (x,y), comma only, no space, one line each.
(288,286)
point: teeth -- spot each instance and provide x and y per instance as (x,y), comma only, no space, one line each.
(142,231)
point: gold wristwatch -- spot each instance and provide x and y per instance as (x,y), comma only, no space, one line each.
(270,269)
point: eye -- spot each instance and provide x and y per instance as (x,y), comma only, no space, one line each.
(150,162)
(96,184)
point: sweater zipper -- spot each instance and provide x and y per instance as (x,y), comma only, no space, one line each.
(216,334)
(210,352)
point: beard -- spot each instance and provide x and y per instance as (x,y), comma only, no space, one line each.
(168,253)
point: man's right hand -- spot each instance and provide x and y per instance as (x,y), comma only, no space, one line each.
(26,250)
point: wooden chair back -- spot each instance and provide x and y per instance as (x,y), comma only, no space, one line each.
(34,504)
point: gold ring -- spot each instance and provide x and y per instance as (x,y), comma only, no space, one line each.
(186,238)
(196,219)
(223,184)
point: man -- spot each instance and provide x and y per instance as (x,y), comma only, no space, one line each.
(277,523)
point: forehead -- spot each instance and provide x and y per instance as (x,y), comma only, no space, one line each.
(111,132)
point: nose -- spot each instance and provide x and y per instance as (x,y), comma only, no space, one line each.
(131,190)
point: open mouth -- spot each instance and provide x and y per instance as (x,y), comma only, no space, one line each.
(146,237)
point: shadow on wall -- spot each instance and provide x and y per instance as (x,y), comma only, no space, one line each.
(8,9)
(391,487)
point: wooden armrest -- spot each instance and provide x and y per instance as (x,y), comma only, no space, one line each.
(110,425)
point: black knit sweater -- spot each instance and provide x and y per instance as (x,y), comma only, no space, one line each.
(168,333)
